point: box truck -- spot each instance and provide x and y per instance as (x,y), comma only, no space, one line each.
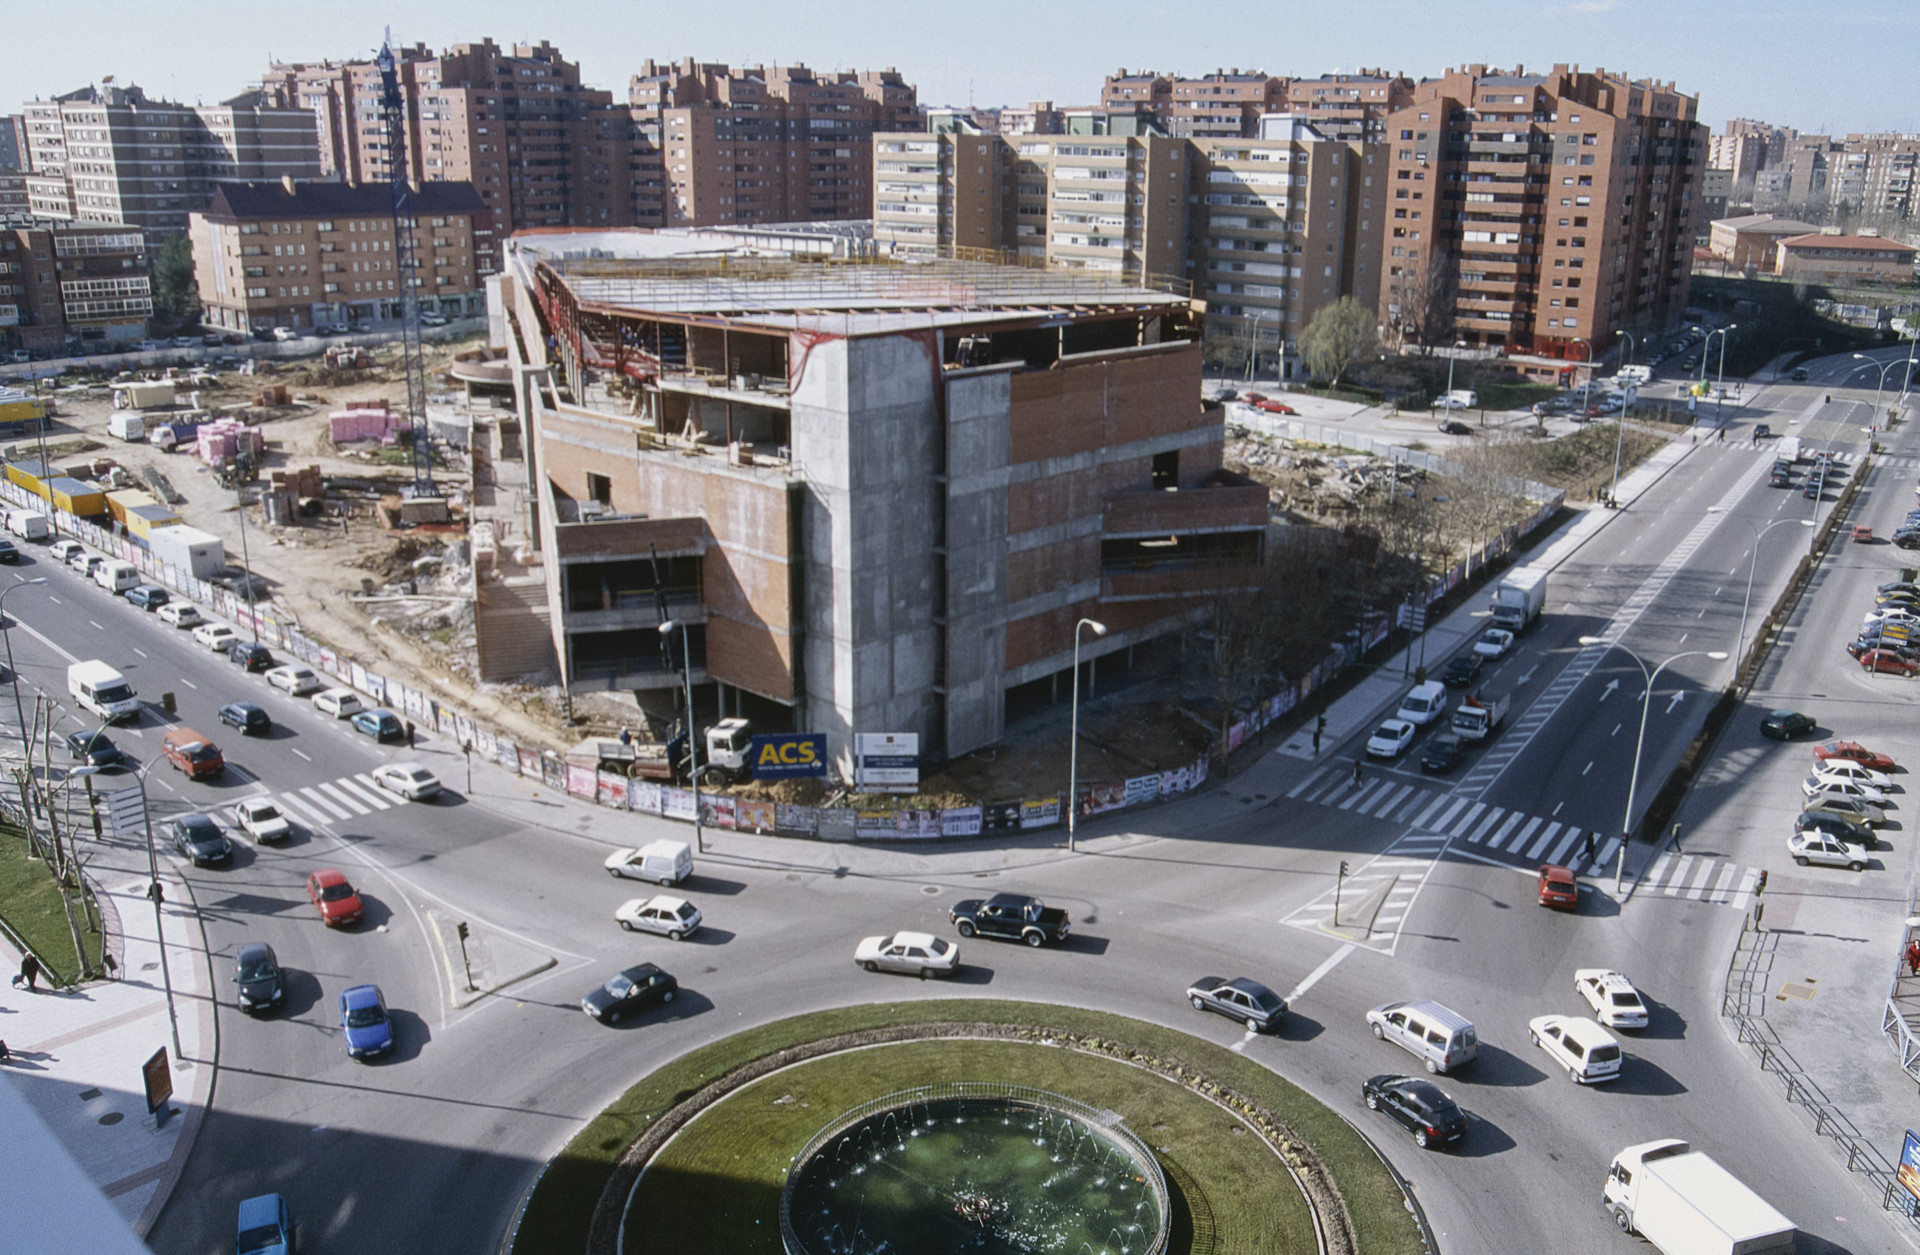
(28,524)
(1519,598)
(1788,450)
(1479,716)
(1686,1204)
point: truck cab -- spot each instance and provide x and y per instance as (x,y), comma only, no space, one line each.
(730,749)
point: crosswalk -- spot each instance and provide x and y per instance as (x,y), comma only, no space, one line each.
(348,797)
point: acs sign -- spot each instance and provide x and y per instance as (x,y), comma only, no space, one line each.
(787,755)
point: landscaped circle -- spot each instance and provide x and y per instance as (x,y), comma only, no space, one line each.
(967,1167)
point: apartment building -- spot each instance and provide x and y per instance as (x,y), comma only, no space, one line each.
(67,285)
(1223,104)
(1038,118)
(108,154)
(1557,208)
(1752,241)
(878,495)
(713,145)
(540,148)
(1349,106)
(13,143)
(290,254)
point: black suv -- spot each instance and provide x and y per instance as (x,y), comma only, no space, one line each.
(7,552)
(249,654)
(1462,670)
(1420,1107)
(1011,915)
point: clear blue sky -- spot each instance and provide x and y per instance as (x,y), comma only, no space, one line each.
(1830,65)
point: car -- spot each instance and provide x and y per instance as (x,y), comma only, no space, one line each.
(1827,786)
(1894,586)
(364,1021)
(1890,614)
(256,973)
(1835,826)
(1853,752)
(1012,917)
(1493,643)
(249,718)
(914,954)
(1906,539)
(671,917)
(1588,1052)
(1799,374)
(265,1226)
(1813,488)
(1443,754)
(199,839)
(92,748)
(1454,427)
(294,678)
(1777,478)
(181,614)
(1762,431)
(1888,662)
(262,820)
(1241,999)
(410,780)
(86,563)
(1867,644)
(628,991)
(1898,596)
(334,898)
(340,702)
(1558,888)
(1852,809)
(1615,1002)
(192,753)
(1418,1106)
(1845,769)
(63,551)
(1784,725)
(249,655)
(1812,846)
(428,319)
(381,725)
(215,636)
(1462,670)
(148,596)
(1390,739)
(1862,535)
(1272,406)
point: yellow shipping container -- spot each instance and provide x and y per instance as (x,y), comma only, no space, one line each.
(118,503)
(78,497)
(143,519)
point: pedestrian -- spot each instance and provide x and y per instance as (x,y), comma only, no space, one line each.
(409,734)
(30,972)
(1356,773)
(1723,433)
(107,964)
(1913,958)
(1316,742)
(626,736)
(1588,848)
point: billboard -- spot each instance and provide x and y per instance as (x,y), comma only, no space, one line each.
(886,762)
(1908,1173)
(789,755)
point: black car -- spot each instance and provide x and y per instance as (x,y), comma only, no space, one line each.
(1247,1001)
(148,596)
(1814,486)
(1907,538)
(1779,478)
(1784,725)
(7,552)
(257,973)
(1906,649)
(631,990)
(1799,374)
(1011,915)
(1443,754)
(1420,1107)
(1899,586)
(200,839)
(1454,427)
(93,748)
(1836,826)
(1462,670)
(249,718)
(249,654)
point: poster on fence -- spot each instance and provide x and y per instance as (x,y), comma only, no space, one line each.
(676,803)
(1040,813)
(1108,795)
(1142,789)
(530,762)
(754,815)
(918,825)
(1000,816)
(800,820)
(580,780)
(837,823)
(717,810)
(644,795)
(960,821)
(875,826)
(1908,1173)
(610,790)
(553,771)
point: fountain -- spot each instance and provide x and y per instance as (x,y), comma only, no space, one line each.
(984,1169)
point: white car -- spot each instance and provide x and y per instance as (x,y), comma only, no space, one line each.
(1833,786)
(1588,1052)
(1615,1002)
(1814,846)
(916,954)
(1842,769)
(63,550)
(215,636)
(296,679)
(1390,739)
(263,821)
(410,780)
(1890,614)
(669,916)
(1493,643)
(180,614)
(341,703)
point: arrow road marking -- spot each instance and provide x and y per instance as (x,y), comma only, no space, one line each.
(1528,674)
(1676,700)
(1608,691)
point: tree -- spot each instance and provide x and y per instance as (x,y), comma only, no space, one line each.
(176,297)
(1257,636)
(1339,335)
(1425,299)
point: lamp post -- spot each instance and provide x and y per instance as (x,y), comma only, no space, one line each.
(240,497)
(1586,385)
(1620,430)
(693,739)
(1253,345)
(1720,373)
(1646,703)
(1740,649)
(13,677)
(1073,750)
(153,892)
(1862,357)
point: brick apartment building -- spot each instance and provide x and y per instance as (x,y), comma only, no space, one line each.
(1225,103)
(108,154)
(1556,207)
(287,254)
(880,493)
(70,284)
(1349,106)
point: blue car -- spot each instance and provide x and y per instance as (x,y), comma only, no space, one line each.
(381,725)
(363,1018)
(265,1226)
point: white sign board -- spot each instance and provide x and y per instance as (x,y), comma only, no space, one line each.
(886,762)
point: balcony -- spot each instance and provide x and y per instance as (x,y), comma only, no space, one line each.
(1225,503)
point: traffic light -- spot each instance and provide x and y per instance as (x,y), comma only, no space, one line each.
(1320,723)
(1760,885)
(461,928)
(1343,869)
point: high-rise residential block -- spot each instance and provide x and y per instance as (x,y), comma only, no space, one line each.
(69,285)
(1349,106)
(1225,103)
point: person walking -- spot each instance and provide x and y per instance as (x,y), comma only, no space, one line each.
(1587,849)
(1356,773)
(1913,958)
(29,973)
(409,734)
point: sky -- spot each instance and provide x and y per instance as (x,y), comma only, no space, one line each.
(1832,66)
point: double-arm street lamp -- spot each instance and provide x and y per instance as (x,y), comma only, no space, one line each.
(1073,750)
(1620,429)
(1740,650)
(1898,361)
(13,677)
(153,889)
(693,739)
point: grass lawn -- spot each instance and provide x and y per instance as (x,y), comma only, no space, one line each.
(707,1190)
(560,1206)
(30,904)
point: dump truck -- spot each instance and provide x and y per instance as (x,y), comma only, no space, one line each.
(1479,716)
(1686,1204)
(1519,598)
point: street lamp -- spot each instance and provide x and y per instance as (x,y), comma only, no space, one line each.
(1646,703)
(1586,384)
(1706,347)
(1620,430)
(153,891)
(693,739)
(1862,357)
(1253,345)
(1740,650)
(13,677)
(1073,750)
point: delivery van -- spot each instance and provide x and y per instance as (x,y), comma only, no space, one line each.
(28,525)
(116,577)
(1424,704)
(102,690)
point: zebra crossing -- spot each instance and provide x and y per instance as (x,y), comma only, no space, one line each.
(317,805)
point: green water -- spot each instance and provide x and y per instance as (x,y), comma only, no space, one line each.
(976,1175)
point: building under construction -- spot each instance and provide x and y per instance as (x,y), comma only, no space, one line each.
(881,493)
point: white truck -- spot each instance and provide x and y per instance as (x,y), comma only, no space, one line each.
(1519,598)
(1686,1204)
(1787,450)
(102,690)
(1633,376)
(127,425)
(1480,715)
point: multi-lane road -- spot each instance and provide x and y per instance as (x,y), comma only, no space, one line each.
(432,1148)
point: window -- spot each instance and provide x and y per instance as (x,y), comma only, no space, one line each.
(599,488)
(1166,469)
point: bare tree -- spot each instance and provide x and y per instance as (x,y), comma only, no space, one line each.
(1426,300)
(1256,636)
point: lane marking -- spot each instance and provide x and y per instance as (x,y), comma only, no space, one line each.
(301,755)
(1313,978)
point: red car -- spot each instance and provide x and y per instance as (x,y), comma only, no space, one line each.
(1853,752)
(334,898)
(1888,662)
(1274,407)
(1558,888)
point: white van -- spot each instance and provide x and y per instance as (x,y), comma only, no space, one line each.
(1588,1052)
(341,703)
(102,690)
(1461,399)
(28,525)
(1424,704)
(116,577)
(665,862)
(1439,1038)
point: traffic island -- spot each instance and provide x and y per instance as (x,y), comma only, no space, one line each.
(479,962)
(696,1155)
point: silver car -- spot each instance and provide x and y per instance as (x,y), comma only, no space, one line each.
(664,914)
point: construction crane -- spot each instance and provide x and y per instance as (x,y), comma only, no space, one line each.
(393,112)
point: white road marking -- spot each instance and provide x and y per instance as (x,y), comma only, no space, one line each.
(301,755)
(189,683)
(140,651)
(1313,978)
(96,625)
(1557,806)
(1589,767)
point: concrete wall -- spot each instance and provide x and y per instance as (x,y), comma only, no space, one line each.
(979,404)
